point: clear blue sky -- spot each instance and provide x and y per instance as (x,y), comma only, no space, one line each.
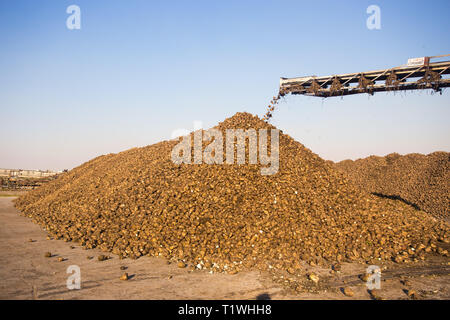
(137,70)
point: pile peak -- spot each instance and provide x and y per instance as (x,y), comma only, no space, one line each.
(244,120)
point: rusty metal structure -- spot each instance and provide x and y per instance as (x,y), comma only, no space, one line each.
(417,74)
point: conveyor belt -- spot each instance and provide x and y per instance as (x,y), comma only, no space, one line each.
(410,77)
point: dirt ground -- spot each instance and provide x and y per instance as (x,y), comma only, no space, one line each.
(26,273)
(11,193)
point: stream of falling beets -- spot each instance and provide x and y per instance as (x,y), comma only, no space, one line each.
(271,107)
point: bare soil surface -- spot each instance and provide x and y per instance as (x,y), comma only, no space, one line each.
(26,273)
(12,193)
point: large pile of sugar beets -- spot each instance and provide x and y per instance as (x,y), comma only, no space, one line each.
(421,180)
(229,217)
